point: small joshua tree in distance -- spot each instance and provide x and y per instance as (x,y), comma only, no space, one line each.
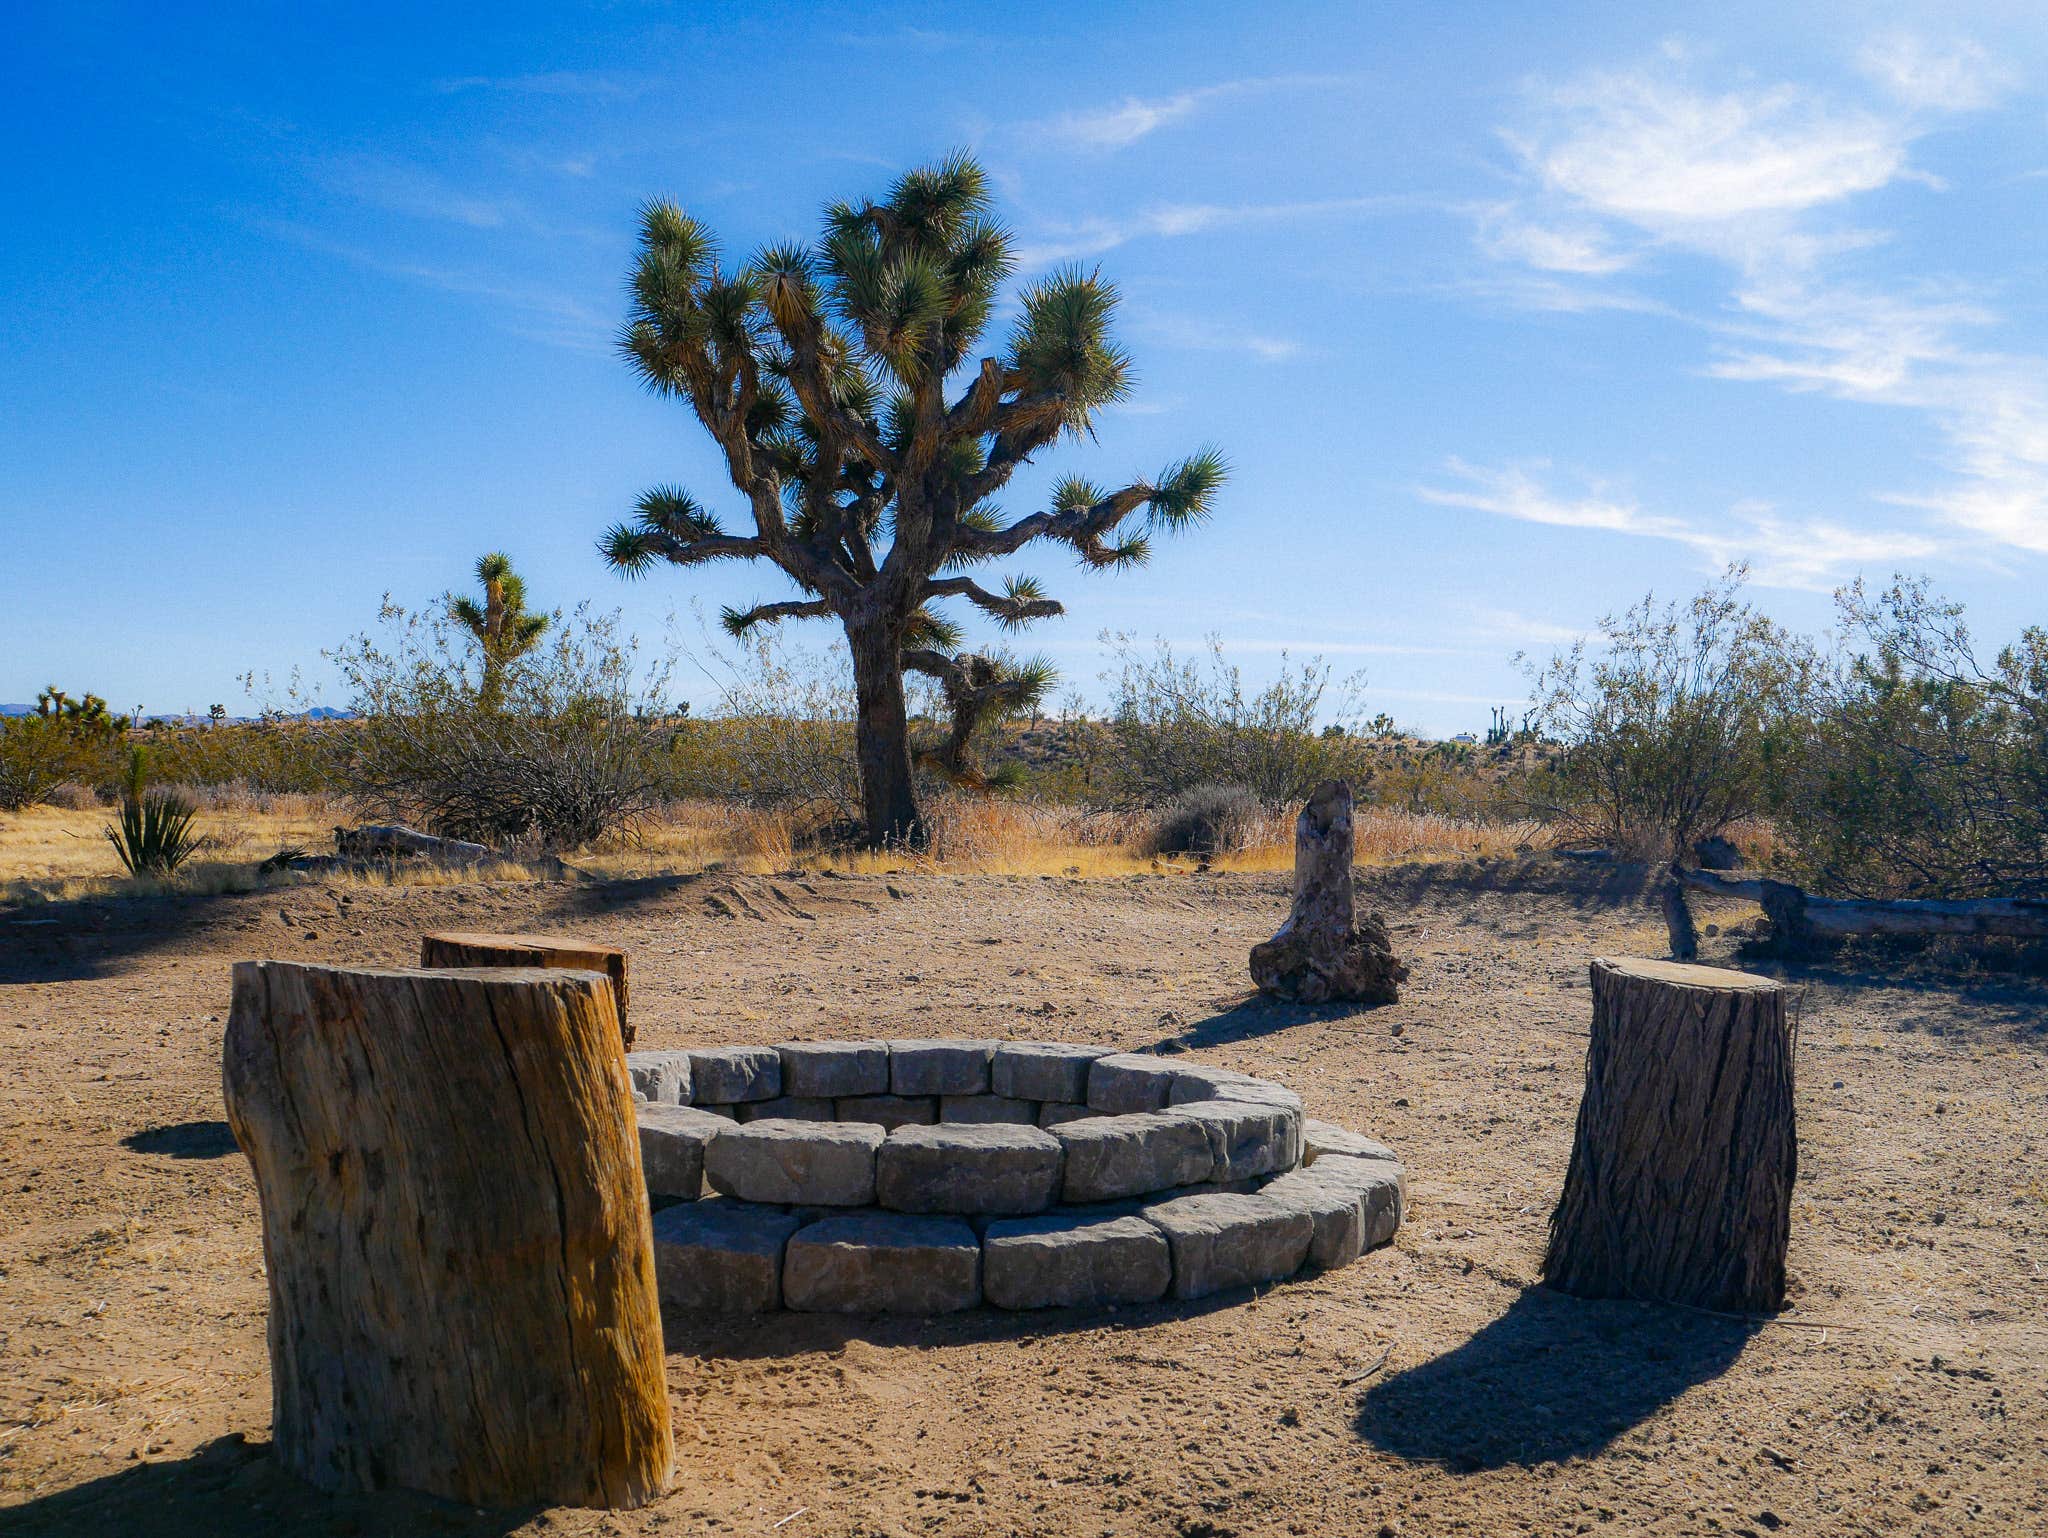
(821,372)
(503,628)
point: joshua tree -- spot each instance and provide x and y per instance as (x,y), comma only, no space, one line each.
(821,372)
(503,629)
(978,689)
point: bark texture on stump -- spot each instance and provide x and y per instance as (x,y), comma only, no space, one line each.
(1323,953)
(1680,1186)
(461,1266)
(453,948)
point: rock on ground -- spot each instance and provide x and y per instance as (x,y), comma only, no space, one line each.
(1073,1259)
(1113,1156)
(1224,1241)
(721,1256)
(882,1263)
(968,1169)
(829,1164)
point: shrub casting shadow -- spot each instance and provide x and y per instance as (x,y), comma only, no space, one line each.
(184,1140)
(1554,1377)
(231,1488)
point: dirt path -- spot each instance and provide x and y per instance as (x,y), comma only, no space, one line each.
(1425,1390)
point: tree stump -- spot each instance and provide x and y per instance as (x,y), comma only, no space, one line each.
(452,948)
(1322,953)
(462,1290)
(1680,1186)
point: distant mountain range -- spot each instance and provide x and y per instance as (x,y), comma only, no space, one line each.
(181,718)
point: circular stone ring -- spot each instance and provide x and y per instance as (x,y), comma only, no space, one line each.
(919,1177)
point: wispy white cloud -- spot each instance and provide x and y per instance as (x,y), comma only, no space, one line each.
(1060,242)
(1201,334)
(1811,553)
(1957,77)
(1760,179)
(1126,122)
(554,82)
(409,189)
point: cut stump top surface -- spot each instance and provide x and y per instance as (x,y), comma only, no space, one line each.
(500,942)
(1683,974)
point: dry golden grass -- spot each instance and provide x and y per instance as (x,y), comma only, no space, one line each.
(57,852)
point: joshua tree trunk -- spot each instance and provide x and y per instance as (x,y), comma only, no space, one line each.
(888,790)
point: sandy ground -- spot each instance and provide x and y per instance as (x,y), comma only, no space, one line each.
(1427,1389)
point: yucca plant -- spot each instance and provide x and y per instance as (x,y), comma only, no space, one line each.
(154,836)
(822,372)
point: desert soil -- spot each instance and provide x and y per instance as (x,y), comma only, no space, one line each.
(1427,1389)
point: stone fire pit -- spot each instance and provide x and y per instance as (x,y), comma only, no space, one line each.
(919,1177)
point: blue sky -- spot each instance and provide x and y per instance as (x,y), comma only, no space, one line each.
(1504,313)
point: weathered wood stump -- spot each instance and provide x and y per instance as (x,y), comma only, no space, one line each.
(1680,1186)
(453,948)
(1323,953)
(462,1290)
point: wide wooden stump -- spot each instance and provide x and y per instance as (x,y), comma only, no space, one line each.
(1680,1186)
(454,948)
(462,1290)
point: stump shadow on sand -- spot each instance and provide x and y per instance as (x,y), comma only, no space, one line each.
(184,1140)
(232,1488)
(1554,1377)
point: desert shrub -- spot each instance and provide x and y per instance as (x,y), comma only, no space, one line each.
(1176,724)
(1924,770)
(1207,820)
(66,739)
(1669,728)
(272,755)
(154,835)
(576,744)
(781,733)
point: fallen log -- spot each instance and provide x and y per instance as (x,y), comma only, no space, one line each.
(1796,914)
(393,842)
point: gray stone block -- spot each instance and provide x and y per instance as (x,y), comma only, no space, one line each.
(986,1109)
(727,1075)
(1124,1082)
(944,1067)
(1247,1139)
(721,1256)
(1334,1208)
(1382,1188)
(826,1164)
(1322,1137)
(1053,1112)
(1196,1082)
(672,1143)
(1113,1156)
(662,1078)
(882,1263)
(968,1169)
(787,1108)
(829,1069)
(1073,1258)
(1043,1070)
(1220,1242)
(889,1111)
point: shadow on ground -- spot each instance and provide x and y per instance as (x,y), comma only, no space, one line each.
(1554,1377)
(231,1487)
(183,1140)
